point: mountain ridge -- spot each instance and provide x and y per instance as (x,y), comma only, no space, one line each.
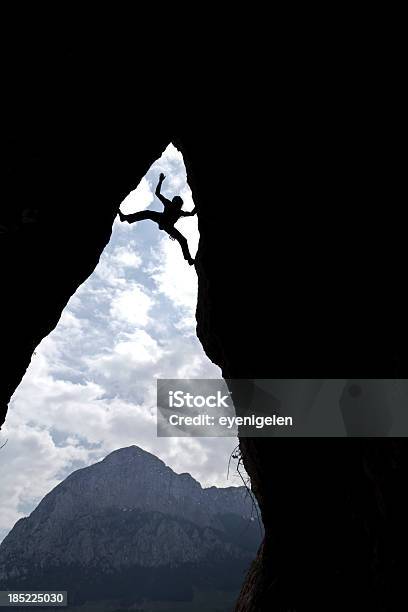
(123,517)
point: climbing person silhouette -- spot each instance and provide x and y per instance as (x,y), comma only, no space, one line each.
(166,219)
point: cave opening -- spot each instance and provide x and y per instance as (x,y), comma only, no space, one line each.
(90,387)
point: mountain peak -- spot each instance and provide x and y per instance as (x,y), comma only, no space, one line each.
(133,478)
(130,453)
(125,518)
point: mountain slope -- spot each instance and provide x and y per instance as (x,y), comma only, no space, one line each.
(129,527)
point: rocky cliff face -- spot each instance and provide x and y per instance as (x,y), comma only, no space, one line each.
(127,514)
(132,478)
(300,267)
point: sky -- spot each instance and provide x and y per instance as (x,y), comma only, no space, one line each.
(91,384)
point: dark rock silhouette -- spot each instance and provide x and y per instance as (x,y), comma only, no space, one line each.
(310,288)
(165,220)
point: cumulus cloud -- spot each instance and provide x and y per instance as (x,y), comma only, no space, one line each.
(138,199)
(126,257)
(90,388)
(173,279)
(131,305)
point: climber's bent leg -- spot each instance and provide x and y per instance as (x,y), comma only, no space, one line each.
(174,233)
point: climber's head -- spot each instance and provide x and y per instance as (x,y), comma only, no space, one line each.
(178,202)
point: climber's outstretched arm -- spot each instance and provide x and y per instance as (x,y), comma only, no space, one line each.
(189,214)
(161,197)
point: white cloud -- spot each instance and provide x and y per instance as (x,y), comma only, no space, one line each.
(30,465)
(139,346)
(126,257)
(127,357)
(131,305)
(109,274)
(138,199)
(171,154)
(175,279)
